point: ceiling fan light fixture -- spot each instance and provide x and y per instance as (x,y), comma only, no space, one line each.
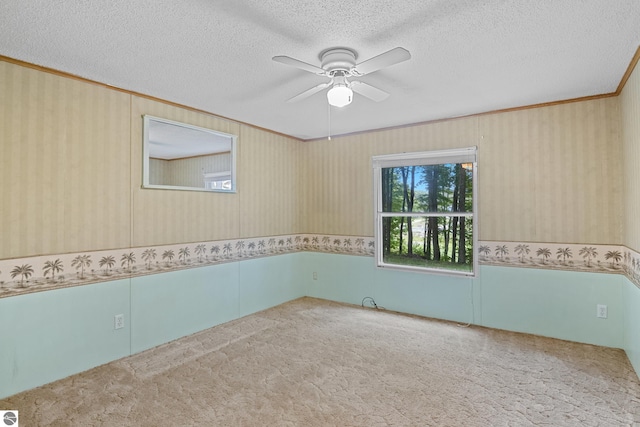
(340,95)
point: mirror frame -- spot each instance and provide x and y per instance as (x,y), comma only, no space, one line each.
(147,119)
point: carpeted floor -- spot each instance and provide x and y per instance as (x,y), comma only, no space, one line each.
(316,363)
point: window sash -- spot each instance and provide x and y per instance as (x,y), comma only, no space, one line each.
(425,214)
(421,186)
(440,157)
(463,155)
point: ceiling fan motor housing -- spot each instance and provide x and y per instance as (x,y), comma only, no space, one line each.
(338,59)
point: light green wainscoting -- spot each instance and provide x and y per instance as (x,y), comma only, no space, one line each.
(168,306)
(632,323)
(349,279)
(558,304)
(49,335)
(267,282)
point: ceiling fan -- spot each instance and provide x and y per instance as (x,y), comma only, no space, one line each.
(338,64)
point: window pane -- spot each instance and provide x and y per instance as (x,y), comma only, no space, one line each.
(436,242)
(428,188)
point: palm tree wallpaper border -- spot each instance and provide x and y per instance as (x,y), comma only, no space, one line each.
(560,256)
(42,273)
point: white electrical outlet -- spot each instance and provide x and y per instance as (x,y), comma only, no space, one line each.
(315,275)
(601,311)
(118,321)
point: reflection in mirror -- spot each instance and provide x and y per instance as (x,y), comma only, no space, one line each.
(184,157)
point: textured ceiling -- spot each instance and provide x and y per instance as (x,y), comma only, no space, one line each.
(468,56)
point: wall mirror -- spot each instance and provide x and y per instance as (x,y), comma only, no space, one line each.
(178,156)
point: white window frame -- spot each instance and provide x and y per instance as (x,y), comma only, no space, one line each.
(217,180)
(461,155)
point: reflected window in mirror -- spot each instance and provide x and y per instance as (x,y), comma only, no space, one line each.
(180,156)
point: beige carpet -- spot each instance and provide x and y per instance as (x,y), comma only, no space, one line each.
(317,363)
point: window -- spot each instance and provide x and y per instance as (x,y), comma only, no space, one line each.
(425,211)
(217,180)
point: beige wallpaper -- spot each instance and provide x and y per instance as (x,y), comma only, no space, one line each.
(168,216)
(552,174)
(64,168)
(337,174)
(159,171)
(266,198)
(630,106)
(188,172)
(71,172)
(269,181)
(545,175)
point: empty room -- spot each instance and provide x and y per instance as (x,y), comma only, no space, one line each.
(296,213)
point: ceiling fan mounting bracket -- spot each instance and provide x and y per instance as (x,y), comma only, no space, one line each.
(338,59)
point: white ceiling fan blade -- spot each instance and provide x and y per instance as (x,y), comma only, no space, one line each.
(309,92)
(369,91)
(299,64)
(387,59)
